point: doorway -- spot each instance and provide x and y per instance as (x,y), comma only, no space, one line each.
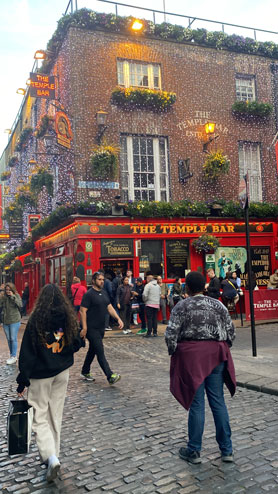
(110,266)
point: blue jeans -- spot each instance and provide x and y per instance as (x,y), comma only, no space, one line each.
(213,384)
(11,331)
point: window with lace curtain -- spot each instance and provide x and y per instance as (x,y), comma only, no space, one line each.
(138,74)
(250,162)
(144,168)
(245,88)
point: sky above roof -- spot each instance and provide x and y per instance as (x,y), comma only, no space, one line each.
(27,25)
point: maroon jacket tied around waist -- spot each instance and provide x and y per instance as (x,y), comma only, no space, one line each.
(192,362)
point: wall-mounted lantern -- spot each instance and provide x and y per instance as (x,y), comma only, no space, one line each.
(209,130)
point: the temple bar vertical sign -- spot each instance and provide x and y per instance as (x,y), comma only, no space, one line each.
(42,86)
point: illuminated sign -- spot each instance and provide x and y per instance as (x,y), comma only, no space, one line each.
(33,220)
(185,228)
(63,129)
(42,86)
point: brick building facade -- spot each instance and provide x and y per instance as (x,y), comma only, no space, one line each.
(206,81)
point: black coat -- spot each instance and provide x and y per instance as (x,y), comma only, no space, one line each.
(214,288)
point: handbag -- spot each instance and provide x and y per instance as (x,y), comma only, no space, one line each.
(135,307)
(19,425)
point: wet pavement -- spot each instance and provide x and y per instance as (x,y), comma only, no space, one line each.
(125,438)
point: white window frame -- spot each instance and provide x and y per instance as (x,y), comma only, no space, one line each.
(249,78)
(250,162)
(157,169)
(126,74)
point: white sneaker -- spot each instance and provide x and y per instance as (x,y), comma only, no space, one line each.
(53,469)
(125,331)
(108,329)
(12,360)
(135,322)
(129,331)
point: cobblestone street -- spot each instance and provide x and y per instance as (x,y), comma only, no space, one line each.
(125,439)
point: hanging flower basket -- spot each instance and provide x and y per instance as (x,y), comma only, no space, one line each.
(23,138)
(205,243)
(44,124)
(216,165)
(12,161)
(5,176)
(104,162)
(251,109)
(43,178)
(148,99)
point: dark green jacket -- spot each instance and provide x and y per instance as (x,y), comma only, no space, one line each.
(11,308)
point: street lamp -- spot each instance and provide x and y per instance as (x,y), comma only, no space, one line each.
(209,130)
(101,119)
(40,55)
(21,91)
(137,25)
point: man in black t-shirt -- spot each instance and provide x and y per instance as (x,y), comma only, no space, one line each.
(94,306)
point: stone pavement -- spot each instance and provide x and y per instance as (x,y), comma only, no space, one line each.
(125,439)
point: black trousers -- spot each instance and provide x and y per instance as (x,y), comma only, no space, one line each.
(96,349)
(125,315)
(142,315)
(151,314)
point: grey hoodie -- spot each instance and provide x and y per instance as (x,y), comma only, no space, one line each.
(151,293)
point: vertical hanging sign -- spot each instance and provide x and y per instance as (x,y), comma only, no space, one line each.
(42,85)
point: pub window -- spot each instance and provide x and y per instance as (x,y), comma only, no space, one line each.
(177,255)
(144,168)
(138,74)
(151,258)
(250,162)
(245,88)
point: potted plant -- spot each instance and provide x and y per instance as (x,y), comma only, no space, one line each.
(23,138)
(216,165)
(104,162)
(44,124)
(148,99)
(251,109)
(205,243)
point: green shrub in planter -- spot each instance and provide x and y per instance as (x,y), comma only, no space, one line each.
(23,138)
(148,99)
(43,178)
(252,109)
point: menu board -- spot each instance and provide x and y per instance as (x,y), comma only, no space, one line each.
(177,252)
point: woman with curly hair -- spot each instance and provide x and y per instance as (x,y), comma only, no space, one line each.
(11,304)
(49,342)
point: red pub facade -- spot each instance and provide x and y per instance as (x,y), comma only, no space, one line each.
(164,246)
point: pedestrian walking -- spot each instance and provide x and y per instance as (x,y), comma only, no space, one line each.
(11,305)
(123,298)
(151,297)
(199,336)
(213,287)
(132,282)
(138,297)
(94,307)
(25,298)
(107,287)
(77,292)
(49,342)
(163,298)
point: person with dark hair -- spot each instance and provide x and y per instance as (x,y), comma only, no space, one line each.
(107,287)
(177,292)
(198,337)
(230,294)
(11,305)
(138,297)
(93,310)
(49,342)
(123,299)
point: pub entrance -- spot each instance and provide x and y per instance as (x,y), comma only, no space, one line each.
(110,266)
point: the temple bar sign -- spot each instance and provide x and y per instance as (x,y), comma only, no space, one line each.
(42,86)
(213,228)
